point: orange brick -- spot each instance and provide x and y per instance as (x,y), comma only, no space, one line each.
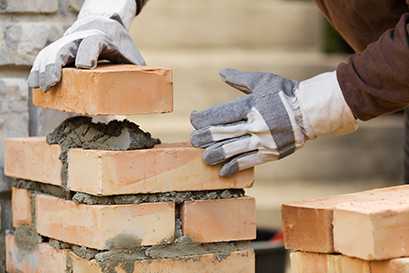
(105,227)
(170,167)
(21,207)
(392,266)
(167,167)
(308,225)
(32,159)
(207,221)
(373,229)
(43,259)
(110,90)
(305,262)
(237,262)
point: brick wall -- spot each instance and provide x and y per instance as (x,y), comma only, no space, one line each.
(26,26)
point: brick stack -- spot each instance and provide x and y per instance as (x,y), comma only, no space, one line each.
(366,232)
(141,211)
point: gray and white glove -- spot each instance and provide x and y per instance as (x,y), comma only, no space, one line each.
(100,32)
(275,118)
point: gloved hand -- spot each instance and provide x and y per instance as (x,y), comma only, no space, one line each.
(100,32)
(275,118)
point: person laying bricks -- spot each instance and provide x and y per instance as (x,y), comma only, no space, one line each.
(276,116)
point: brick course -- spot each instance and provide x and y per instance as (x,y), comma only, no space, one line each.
(105,227)
(170,167)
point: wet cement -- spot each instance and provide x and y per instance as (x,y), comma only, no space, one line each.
(81,132)
(40,188)
(177,197)
(27,238)
(182,248)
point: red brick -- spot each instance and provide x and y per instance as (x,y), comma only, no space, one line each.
(103,227)
(21,207)
(110,90)
(305,262)
(373,229)
(237,262)
(32,159)
(167,167)
(207,221)
(43,259)
(308,225)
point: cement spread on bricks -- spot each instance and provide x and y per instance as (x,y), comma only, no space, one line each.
(81,132)
(88,199)
(182,248)
(40,188)
(177,197)
(27,238)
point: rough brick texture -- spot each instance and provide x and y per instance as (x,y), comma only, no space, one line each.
(308,226)
(42,259)
(168,167)
(21,204)
(373,229)
(304,262)
(21,6)
(33,159)
(105,227)
(110,90)
(237,262)
(224,220)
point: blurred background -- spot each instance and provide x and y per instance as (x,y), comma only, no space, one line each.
(198,38)
(290,38)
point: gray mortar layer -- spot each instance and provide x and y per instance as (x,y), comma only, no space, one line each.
(177,197)
(125,259)
(88,199)
(27,238)
(81,132)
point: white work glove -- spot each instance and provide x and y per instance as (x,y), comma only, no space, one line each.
(100,32)
(275,118)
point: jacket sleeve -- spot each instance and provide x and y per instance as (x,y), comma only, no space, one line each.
(139,5)
(376,80)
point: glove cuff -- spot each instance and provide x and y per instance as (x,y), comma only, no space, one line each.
(125,10)
(324,108)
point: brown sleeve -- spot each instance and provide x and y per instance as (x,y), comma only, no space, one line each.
(376,80)
(139,5)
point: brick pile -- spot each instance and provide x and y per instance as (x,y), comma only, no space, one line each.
(138,211)
(366,232)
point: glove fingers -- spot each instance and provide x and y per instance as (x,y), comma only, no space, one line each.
(89,51)
(241,162)
(50,73)
(243,81)
(219,152)
(222,114)
(50,76)
(207,136)
(34,79)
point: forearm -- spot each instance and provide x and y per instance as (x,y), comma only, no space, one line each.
(375,81)
(125,9)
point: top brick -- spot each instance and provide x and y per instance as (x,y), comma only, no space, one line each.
(110,90)
(40,6)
